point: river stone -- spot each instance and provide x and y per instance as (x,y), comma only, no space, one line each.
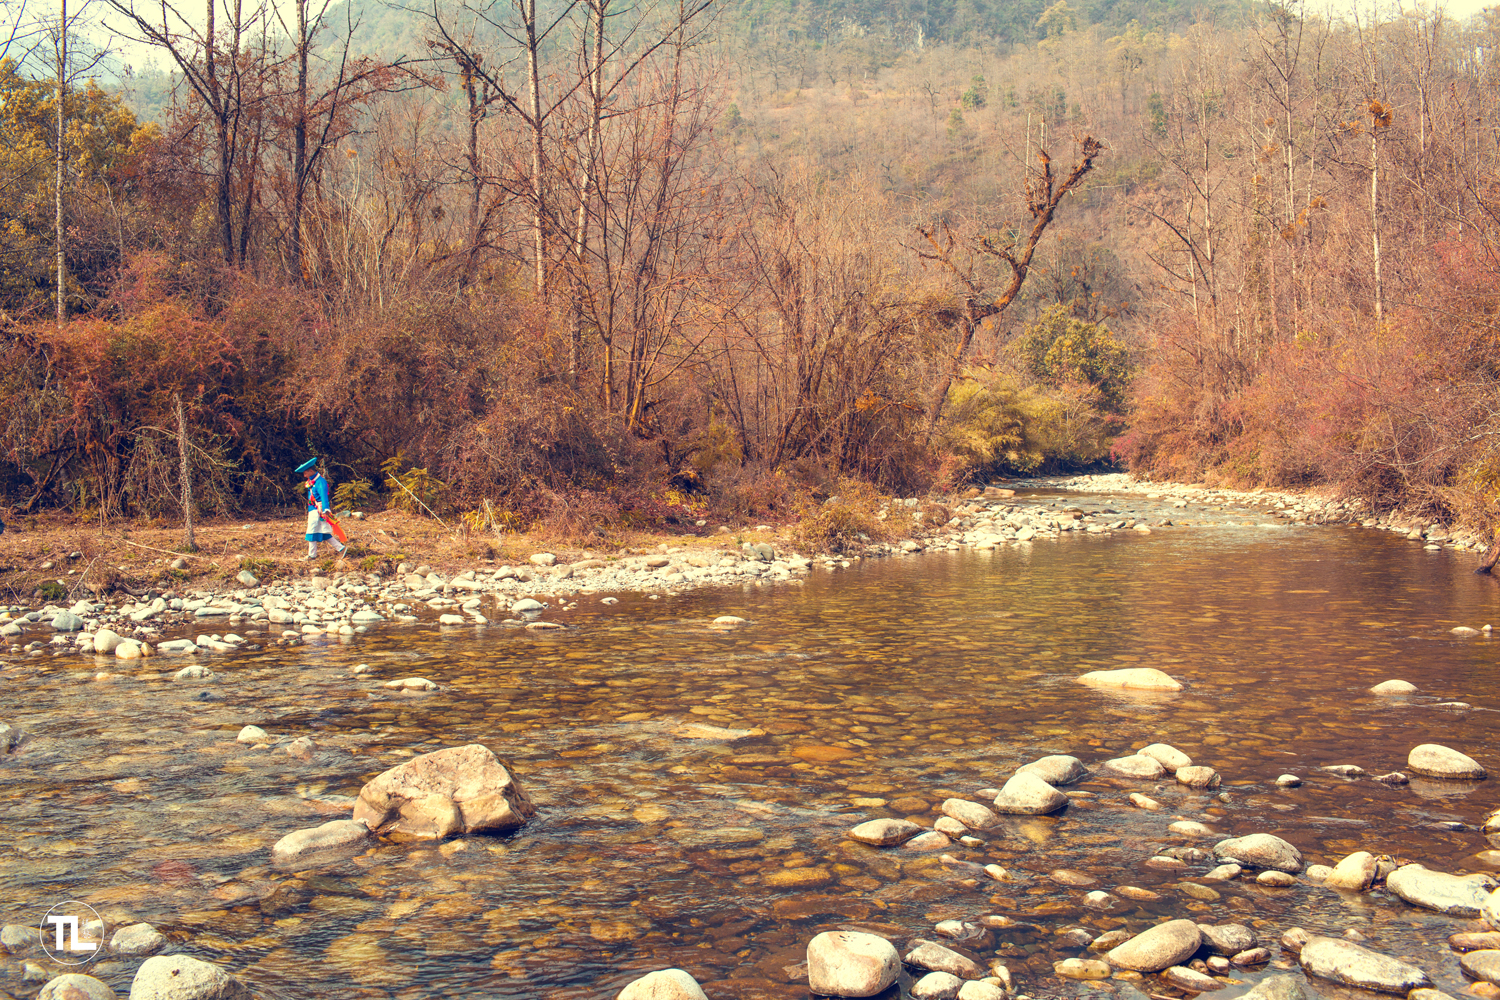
(526,604)
(935,958)
(1131,678)
(137,939)
(1028,795)
(16,938)
(885,832)
(105,641)
(1261,850)
(245,578)
(1491,910)
(1394,687)
(1279,988)
(1482,965)
(252,734)
(1136,766)
(335,834)
(1227,939)
(932,840)
(1191,980)
(178,977)
(1355,873)
(1159,947)
(851,964)
(1081,968)
(67,621)
(1288,781)
(1474,940)
(1348,963)
(74,986)
(1056,769)
(1171,758)
(1144,802)
(664,984)
(980,991)
(1433,761)
(1454,895)
(128,650)
(1425,994)
(936,986)
(970,814)
(431,796)
(1198,777)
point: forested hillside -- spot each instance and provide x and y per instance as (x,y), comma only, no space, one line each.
(591,266)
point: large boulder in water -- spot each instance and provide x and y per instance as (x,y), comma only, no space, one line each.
(178,977)
(665,984)
(1159,947)
(1346,962)
(1455,895)
(1261,850)
(1027,795)
(1432,760)
(1131,679)
(458,790)
(851,964)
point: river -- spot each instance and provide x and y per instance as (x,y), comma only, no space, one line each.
(878,690)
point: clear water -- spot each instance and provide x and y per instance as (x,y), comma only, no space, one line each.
(880,690)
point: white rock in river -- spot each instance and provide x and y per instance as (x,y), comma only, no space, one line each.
(1454,895)
(459,789)
(137,939)
(980,991)
(1191,980)
(970,814)
(1483,964)
(1394,687)
(526,604)
(1261,850)
(178,977)
(885,832)
(851,964)
(1353,874)
(934,957)
(1028,795)
(334,835)
(16,938)
(1491,910)
(1156,948)
(105,641)
(74,986)
(1348,963)
(665,984)
(936,986)
(1227,939)
(1431,760)
(128,650)
(1136,766)
(1171,758)
(1278,988)
(252,734)
(1198,777)
(1056,769)
(1131,678)
(1288,781)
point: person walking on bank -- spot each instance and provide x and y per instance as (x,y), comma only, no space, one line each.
(318,507)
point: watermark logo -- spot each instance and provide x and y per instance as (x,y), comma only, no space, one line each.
(72,933)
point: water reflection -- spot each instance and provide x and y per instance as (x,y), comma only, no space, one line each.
(664,840)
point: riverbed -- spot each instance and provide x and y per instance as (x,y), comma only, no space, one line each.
(695,785)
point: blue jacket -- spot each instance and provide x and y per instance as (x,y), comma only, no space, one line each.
(318,491)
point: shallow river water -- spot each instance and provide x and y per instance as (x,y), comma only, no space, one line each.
(878,690)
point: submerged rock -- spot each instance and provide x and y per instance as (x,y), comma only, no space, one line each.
(461,789)
(1227,939)
(1278,988)
(1191,980)
(1432,760)
(851,964)
(1348,963)
(1394,687)
(1483,965)
(1454,895)
(334,835)
(1261,850)
(665,984)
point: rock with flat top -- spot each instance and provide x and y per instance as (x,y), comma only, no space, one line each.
(458,790)
(970,814)
(1171,758)
(334,836)
(1156,948)
(1056,769)
(885,832)
(1130,679)
(1348,963)
(934,957)
(1136,766)
(1482,965)
(1432,760)
(851,964)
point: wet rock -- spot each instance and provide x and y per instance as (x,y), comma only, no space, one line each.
(1251,956)
(195,672)
(1355,873)
(935,958)
(1454,895)
(17,938)
(105,641)
(1056,769)
(1395,779)
(1425,994)
(936,986)
(929,841)
(950,826)
(1189,828)
(1483,965)
(1191,980)
(452,620)
(252,734)
(970,814)
(1198,777)
(1131,678)
(1224,873)
(1109,940)
(1344,770)
(1288,781)
(1227,939)
(75,986)
(410,684)
(1474,940)
(851,964)
(1028,795)
(1431,760)
(1293,938)
(67,621)
(885,832)
(178,977)
(980,991)
(1491,910)
(128,650)
(1075,937)
(1144,802)
(334,835)
(1081,968)
(1159,947)
(664,984)
(1348,963)
(1098,900)
(1279,988)
(1137,893)
(1171,758)
(459,789)
(1394,687)
(1261,850)
(1136,766)
(137,939)
(526,604)
(302,748)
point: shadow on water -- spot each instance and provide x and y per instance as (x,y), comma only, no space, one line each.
(663,840)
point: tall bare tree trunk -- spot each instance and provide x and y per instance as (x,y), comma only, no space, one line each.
(186,475)
(534,97)
(62,89)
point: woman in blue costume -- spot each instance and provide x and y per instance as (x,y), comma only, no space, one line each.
(318,503)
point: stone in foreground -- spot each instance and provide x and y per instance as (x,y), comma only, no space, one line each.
(1278,988)
(1130,679)
(1027,795)
(1431,760)
(1261,850)
(1454,895)
(936,986)
(1056,769)
(461,789)
(1348,963)
(885,832)
(178,977)
(1483,965)
(1159,947)
(1171,758)
(74,986)
(934,957)
(665,984)
(1355,873)
(1191,980)
(338,834)
(137,939)
(851,964)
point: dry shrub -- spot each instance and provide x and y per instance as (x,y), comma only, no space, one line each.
(843,522)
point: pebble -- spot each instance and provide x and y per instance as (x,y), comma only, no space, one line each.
(1353,874)
(1171,758)
(137,939)
(1081,968)
(1276,879)
(936,986)
(1288,781)
(935,958)
(1190,980)
(1198,777)
(76,986)
(1158,947)
(1144,802)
